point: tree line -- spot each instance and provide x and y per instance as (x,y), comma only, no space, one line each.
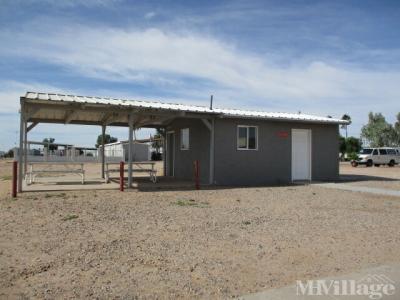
(376,133)
(379,133)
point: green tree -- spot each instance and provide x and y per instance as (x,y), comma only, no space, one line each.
(346,117)
(353,145)
(49,143)
(349,146)
(9,153)
(157,144)
(397,130)
(342,145)
(378,132)
(107,139)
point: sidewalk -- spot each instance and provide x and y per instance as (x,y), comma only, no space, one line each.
(362,189)
(382,275)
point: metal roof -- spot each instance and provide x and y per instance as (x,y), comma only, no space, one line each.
(32,98)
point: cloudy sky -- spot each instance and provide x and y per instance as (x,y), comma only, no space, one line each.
(317,57)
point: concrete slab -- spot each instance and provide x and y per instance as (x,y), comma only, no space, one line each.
(362,189)
(384,275)
(69,183)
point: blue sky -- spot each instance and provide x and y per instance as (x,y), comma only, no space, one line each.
(317,57)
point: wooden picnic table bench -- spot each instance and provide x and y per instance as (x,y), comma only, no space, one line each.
(48,168)
(142,167)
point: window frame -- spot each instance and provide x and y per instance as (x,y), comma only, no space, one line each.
(181,139)
(247,137)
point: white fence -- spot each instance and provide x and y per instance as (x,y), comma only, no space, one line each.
(55,158)
(140,152)
(59,156)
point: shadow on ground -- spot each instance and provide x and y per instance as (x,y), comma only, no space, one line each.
(357,177)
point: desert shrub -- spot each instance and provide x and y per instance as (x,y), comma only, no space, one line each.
(352,156)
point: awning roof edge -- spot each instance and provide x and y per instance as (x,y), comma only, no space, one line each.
(108,106)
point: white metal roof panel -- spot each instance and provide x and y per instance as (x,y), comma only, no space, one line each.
(236,113)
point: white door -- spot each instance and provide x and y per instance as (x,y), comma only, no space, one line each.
(301,154)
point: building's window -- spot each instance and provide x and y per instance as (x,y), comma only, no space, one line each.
(185,139)
(247,138)
(242,137)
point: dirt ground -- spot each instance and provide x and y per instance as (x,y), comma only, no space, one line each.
(378,177)
(212,243)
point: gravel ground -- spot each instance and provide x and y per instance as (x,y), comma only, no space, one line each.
(378,177)
(179,244)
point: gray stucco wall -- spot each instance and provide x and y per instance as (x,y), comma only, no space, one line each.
(199,140)
(271,163)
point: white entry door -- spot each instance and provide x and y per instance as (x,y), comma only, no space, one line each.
(301,154)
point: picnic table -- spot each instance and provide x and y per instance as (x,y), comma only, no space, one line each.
(36,168)
(142,167)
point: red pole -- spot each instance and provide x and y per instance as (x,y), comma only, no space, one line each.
(14,179)
(197,174)
(121,176)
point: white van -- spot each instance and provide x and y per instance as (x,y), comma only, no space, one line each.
(377,156)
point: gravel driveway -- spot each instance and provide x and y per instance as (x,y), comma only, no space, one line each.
(178,244)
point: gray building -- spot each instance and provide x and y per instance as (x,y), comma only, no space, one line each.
(233,147)
(254,151)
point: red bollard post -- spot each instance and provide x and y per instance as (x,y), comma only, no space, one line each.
(121,176)
(14,179)
(197,174)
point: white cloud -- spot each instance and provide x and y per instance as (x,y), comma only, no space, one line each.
(171,60)
(11,91)
(168,59)
(68,3)
(150,15)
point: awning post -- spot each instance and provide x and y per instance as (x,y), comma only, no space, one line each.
(210,125)
(164,150)
(25,147)
(20,153)
(103,133)
(212,152)
(130,148)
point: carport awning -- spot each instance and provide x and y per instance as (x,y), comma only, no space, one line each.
(70,109)
(67,109)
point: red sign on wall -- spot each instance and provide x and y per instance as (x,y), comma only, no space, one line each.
(283,134)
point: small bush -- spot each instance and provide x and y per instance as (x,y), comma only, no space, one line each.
(190,202)
(69,217)
(352,156)
(63,195)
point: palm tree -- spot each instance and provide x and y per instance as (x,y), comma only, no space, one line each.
(346,117)
(158,141)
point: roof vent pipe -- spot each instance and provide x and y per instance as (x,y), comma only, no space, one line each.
(211,102)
